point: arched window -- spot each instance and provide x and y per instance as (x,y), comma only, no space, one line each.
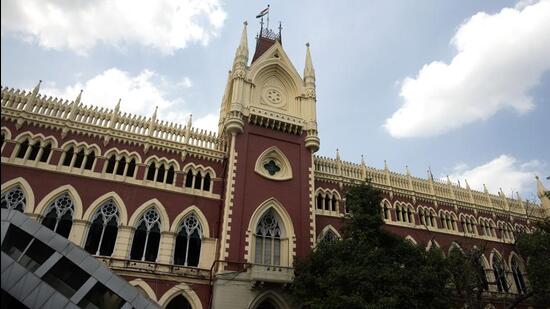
(14,199)
(103,231)
(151,171)
(189,179)
(268,240)
(35,148)
(198,181)
(160,173)
(179,302)
(23,149)
(131,168)
(46,153)
(319,201)
(170,175)
(59,215)
(121,166)
(188,242)
(385,211)
(79,158)
(90,158)
(68,157)
(500,275)
(329,236)
(518,276)
(146,237)
(207,181)
(111,164)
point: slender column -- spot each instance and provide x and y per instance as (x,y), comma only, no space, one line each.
(123,240)
(78,229)
(166,247)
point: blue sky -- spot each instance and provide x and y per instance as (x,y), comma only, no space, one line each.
(462,87)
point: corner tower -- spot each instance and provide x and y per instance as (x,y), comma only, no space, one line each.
(268,116)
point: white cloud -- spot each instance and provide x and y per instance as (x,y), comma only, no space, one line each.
(499,59)
(504,172)
(139,94)
(80,25)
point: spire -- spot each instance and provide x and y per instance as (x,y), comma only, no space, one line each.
(485,189)
(309,72)
(241,55)
(77,100)
(448,180)
(117,106)
(154,117)
(430,175)
(36,88)
(363,160)
(190,122)
(407,170)
(467,185)
(540,188)
(337,154)
(386,165)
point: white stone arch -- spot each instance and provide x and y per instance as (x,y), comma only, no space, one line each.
(75,197)
(24,185)
(327,228)
(411,239)
(181,289)
(388,203)
(163,160)
(152,203)
(273,296)
(498,255)
(123,152)
(285,220)
(274,153)
(33,137)
(78,145)
(198,213)
(199,167)
(7,135)
(122,211)
(513,255)
(431,243)
(145,286)
(455,246)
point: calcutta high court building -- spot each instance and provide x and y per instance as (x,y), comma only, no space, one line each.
(196,219)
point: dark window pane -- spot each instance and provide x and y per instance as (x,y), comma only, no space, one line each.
(160,174)
(101,297)
(131,168)
(151,172)
(68,157)
(36,255)
(46,153)
(65,224)
(90,160)
(198,180)
(207,181)
(109,238)
(121,166)
(139,242)
(9,301)
(66,277)
(35,148)
(179,302)
(180,249)
(194,249)
(170,176)
(111,165)
(153,245)
(94,235)
(23,149)
(15,241)
(50,219)
(79,158)
(189,179)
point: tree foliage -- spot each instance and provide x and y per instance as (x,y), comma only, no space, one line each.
(370,267)
(536,247)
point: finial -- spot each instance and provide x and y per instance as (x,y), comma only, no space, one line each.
(155,112)
(309,71)
(337,154)
(245,23)
(448,180)
(407,170)
(517,196)
(458,180)
(37,87)
(485,188)
(117,106)
(362,160)
(77,101)
(241,55)
(467,185)
(541,191)
(430,175)
(190,121)
(386,165)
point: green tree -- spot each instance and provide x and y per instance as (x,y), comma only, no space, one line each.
(536,248)
(467,276)
(370,267)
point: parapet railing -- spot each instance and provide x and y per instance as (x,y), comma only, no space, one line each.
(32,105)
(338,170)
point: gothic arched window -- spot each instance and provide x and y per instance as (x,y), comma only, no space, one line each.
(518,276)
(207,180)
(500,275)
(146,237)
(151,171)
(14,199)
(329,236)
(104,229)
(179,302)
(188,242)
(23,149)
(68,157)
(198,181)
(59,215)
(189,179)
(268,240)
(46,153)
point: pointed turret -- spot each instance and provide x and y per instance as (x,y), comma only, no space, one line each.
(36,88)
(309,71)
(241,55)
(485,189)
(407,170)
(117,106)
(337,154)
(77,100)
(541,190)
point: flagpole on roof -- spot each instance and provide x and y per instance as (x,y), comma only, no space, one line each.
(268,16)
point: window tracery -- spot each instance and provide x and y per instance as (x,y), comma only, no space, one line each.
(198,178)
(146,237)
(103,230)
(162,172)
(188,242)
(14,199)
(35,149)
(500,275)
(327,202)
(268,240)
(79,157)
(59,215)
(518,276)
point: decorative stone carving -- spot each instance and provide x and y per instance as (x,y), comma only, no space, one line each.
(274,165)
